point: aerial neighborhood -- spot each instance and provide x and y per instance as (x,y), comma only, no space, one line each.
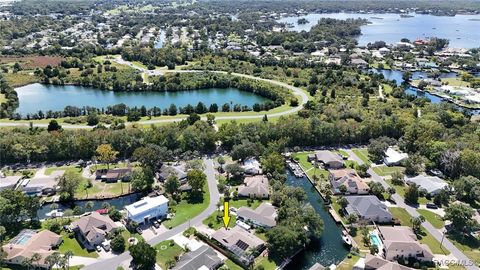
(227,135)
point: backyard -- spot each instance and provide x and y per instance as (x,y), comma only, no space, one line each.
(308,167)
(71,244)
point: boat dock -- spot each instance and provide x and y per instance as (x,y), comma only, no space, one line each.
(334,215)
(296,169)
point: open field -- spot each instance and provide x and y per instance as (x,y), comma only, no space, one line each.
(32,62)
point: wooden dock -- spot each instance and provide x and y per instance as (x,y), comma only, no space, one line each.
(334,215)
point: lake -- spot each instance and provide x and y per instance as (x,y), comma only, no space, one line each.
(327,250)
(35,97)
(461,30)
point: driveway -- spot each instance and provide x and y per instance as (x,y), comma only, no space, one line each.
(124,258)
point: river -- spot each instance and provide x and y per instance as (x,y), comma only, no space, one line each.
(329,249)
(461,30)
(35,97)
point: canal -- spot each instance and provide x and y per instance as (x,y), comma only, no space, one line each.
(327,250)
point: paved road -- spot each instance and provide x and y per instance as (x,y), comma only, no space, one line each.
(113,263)
(296,91)
(437,234)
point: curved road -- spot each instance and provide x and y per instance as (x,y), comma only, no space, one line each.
(296,91)
(113,263)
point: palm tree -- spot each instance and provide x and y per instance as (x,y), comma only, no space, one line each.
(417,223)
(35,259)
(52,259)
(105,205)
(68,255)
(89,206)
(53,206)
(62,262)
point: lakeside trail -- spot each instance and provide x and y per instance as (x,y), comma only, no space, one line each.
(124,258)
(296,91)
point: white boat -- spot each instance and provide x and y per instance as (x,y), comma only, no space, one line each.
(54,213)
(346,240)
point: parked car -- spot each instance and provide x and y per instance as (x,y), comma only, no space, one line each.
(432,206)
(139,230)
(156,224)
(98,248)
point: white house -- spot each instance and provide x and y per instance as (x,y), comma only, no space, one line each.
(148,208)
(394,157)
(430,184)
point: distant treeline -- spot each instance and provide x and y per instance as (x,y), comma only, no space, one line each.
(10,99)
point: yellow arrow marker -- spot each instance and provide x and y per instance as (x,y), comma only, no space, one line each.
(226,215)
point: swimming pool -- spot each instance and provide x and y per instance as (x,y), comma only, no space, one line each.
(375,240)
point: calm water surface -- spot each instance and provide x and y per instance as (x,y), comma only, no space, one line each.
(35,97)
(329,249)
(461,30)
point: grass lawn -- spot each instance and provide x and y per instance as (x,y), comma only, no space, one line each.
(469,246)
(385,170)
(342,152)
(400,190)
(186,210)
(434,219)
(126,234)
(166,252)
(348,263)
(217,223)
(308,166)
(232,266)
(73,245)
(359,240)
(425,238)
(243,202)
(266,263)
(74,169)
(387,89)
(362,154)
(455,82)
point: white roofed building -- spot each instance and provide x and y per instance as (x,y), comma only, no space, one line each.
(394,157)
(148,208)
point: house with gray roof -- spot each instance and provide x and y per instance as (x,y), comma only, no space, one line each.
(179,171)
(430,184)
(202,258)
(329,159)
(94,228)
(264,216)
(239,241)
(368,208)
(9,182)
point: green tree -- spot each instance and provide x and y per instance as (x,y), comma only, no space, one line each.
(172,184)
(92,119)
(118,244)
(54,126)
(89,206)
(196,179)
(417,223)
(273,163)
(412,193)
(377,189)
(68,184)
(143,256)
(142,179)
(461,216)
(342,201)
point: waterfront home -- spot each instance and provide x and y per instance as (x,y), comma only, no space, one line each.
(113,175)
(252,166)
(329,159)
(430,184)
(147,209)
(9,182)
(255,187)
(347,181)
(359,62)
(240,242)
(375,262)
(264,216)
(202,258)
(94,228)
(178,171)
(368,208)
(41,185)
(28,242)
(394,157)
(401,242)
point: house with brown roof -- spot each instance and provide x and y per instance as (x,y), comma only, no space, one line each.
(113,175)
(349,179)
(401,242)
(239,241)
(29,242)
(255,187)
(264,215)
(94,228)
